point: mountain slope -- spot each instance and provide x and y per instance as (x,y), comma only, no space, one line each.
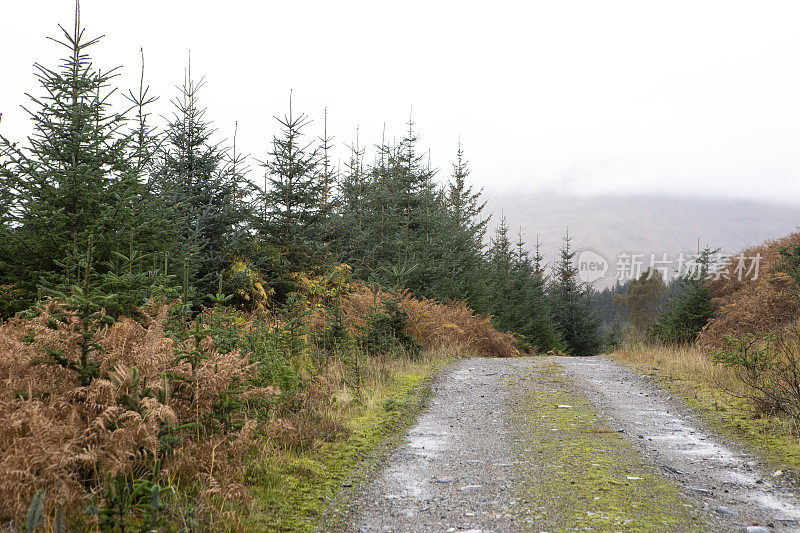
(611,225)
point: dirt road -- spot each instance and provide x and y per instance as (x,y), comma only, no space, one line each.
(566,444)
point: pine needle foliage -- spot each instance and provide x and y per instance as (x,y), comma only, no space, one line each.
(295,203)
(689,311)
(79,177)
(572,301)
(204,186)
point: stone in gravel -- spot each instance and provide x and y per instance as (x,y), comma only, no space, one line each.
(471,487)
(699,490)
(726,511)
(443,480)
(758,529)
(672,470)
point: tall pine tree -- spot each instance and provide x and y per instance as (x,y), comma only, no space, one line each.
(78,180)
(459,271)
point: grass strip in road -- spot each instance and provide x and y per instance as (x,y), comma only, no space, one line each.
(575,473)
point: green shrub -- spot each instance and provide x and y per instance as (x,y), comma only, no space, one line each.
(386,332)
(769,366)
(336,335)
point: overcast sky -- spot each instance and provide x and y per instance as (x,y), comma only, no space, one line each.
(573,96)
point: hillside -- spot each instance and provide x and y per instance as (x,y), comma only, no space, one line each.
(612,225)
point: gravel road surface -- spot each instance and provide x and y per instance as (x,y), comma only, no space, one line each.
(727,481)
(462,468)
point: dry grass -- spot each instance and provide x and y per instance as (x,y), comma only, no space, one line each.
(294,488)
(187,414)
(64,437)
(727,402)
(680,362)
(321,411)
(380,372)
(750,404)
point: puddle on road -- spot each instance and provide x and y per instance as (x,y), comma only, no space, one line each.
(452,469)
(426,441)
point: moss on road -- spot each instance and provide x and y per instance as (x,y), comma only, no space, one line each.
(575,473)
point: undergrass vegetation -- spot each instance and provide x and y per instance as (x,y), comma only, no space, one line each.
(224,419)
(740,364)
(295,490)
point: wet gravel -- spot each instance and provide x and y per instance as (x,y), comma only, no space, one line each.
(729,482)
(455,471)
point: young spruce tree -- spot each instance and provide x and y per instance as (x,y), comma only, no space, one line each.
(690,308)
(296,204)
(460,269)
(577,321)
(76,182)
(207,191)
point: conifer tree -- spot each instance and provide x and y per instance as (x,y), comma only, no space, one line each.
(420,209)
(296,205)
(500,262)
(577,322)
(328,177)
(459,271)
(465,203)
(372,242)
(351,198)
(397,209)
(519,302)
(206,188)
(133,274)
(531,316)
(538,269)
(690,309)
(75,180)
(361,211)
(606,306)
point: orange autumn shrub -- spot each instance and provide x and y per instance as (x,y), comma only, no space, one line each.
(761,306)
(435,324)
